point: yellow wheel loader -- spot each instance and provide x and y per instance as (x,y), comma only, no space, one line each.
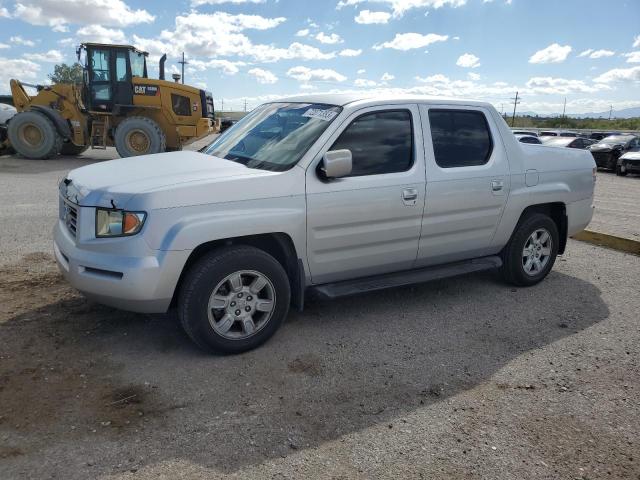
(116,105)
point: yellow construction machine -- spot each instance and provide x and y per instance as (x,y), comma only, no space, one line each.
(117,104)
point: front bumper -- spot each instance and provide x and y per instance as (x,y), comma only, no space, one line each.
(604,159)
(136,278)
(631,166)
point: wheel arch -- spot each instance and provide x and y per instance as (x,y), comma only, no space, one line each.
(557,211)
(62,127)
(278,244)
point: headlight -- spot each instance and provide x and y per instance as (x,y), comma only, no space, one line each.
(118,223)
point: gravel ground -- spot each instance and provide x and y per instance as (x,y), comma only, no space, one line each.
(617,202)
(460,378)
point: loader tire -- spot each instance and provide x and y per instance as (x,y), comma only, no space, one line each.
(34,136)
(72,150)
(139,136)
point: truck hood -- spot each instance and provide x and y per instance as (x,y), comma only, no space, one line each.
(113,183)
(605,147)
(635,156)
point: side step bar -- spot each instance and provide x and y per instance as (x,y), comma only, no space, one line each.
(407,277)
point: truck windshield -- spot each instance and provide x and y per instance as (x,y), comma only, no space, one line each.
(274,136)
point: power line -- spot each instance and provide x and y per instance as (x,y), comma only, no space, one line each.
(183,62)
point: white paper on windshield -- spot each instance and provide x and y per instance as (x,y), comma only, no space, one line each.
(326,115)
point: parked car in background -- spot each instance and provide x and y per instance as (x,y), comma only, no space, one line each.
(525,132)
(321,193)
(568,142)
(528,139)
(628,163)
(608,150)
(225,124)
(597,136)
(557,133)
(6,112)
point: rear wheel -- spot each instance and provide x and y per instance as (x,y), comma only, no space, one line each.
(139,136)
(34,136)
(234,299)
(532,250)
(71,149)
(621,171)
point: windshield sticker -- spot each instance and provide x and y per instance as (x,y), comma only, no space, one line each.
(326,115)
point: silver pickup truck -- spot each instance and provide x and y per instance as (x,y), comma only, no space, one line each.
(331,193)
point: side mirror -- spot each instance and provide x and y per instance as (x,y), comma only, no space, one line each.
(337,163)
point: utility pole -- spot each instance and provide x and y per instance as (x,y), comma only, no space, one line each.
(222,100)
(564,110)
(245,104)
(183,62)
(516,101)
(610,111)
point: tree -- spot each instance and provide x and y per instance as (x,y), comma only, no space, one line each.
(63,73)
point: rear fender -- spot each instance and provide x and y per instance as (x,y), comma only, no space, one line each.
(62,127)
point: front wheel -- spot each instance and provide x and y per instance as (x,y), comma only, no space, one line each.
(234,299)
(532,250)
(621,171)
(139,136)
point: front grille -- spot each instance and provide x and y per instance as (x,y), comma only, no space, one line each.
(69,215)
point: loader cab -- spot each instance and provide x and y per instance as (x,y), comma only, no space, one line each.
(108,74)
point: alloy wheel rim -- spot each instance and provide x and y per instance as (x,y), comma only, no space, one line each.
(138,141)
(31,135)
(537,252)
(241,304)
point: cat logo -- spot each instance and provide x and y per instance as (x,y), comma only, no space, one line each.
(147,90)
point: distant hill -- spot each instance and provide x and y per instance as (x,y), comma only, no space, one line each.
(633,112)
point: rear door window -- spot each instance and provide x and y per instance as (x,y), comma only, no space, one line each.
(461,138)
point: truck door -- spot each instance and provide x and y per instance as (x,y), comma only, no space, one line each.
(467,183)
(100,81)
(123,85)
(369,222)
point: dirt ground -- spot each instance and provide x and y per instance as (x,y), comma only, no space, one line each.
(462,378)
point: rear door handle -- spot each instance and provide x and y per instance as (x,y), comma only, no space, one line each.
(497,185)
(409,196)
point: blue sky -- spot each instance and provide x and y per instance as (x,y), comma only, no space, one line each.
(585,50)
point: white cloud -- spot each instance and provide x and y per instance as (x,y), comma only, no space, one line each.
(4,45)
(387,77)
(361,71)
(302,33)
(554,53)
(364,83)
(560,86)
(591,53)
(632,57)
(399,7)
(18,40)
(263,76)
(328,39)
(197,3)
(636,42)
(349,52)
(468,60)
(227,66)
(368,17)
(4,13)
(620,75)
(17,68)
(408,41)
(305,74)
(221,34)
(100,34)
(53,56)
(473,76)
(56,13)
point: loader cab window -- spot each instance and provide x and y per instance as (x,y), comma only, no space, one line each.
(121,66)
(137,64)
(100,65)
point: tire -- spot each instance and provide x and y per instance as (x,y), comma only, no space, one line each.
(514,268)
(34,136)
(620,172)
(139,136)
(72,150)
(219,329)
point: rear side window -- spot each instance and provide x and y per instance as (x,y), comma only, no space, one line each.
(380,142)
(461,138)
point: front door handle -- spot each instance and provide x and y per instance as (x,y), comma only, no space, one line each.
(497,185)
(409,196)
